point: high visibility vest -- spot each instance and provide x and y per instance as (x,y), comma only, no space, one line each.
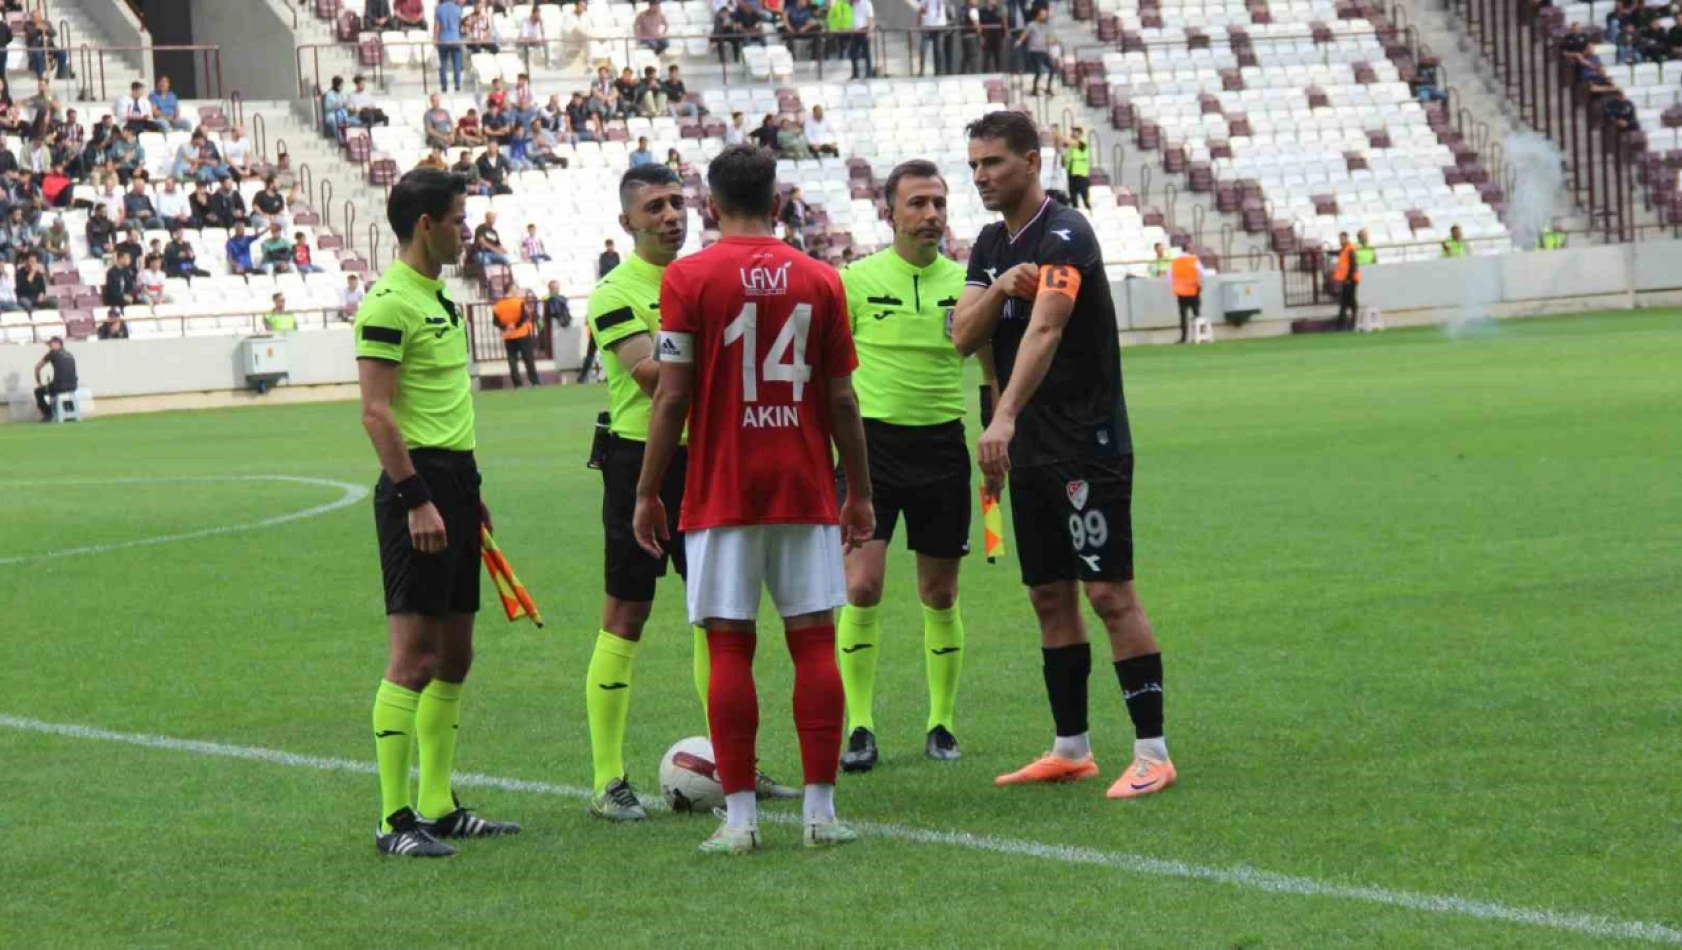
(1159,267)
(1453,248)
(1551,240)
(281,322)
(1348,266)
(507,314)
(1183,273)
(1364,255)
(1079,160)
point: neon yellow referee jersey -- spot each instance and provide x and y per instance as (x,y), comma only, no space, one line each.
(909,372)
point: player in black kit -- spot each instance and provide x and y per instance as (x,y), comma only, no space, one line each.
(1036,290)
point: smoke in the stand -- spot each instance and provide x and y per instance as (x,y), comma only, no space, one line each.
(1538,177)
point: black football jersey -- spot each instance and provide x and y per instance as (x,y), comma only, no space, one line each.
(1079,411)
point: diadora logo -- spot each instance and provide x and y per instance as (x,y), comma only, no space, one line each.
(762,281)
(1062,233)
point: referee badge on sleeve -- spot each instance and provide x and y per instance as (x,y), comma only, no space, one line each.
(949,312)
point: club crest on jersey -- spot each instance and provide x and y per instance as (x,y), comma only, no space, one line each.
(1078,491)
(762,281)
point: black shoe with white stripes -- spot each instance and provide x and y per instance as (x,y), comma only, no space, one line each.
(462,823)
(408,838)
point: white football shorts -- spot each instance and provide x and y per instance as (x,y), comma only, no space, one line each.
(728,568)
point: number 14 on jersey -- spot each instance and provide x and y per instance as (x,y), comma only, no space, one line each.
(785,362)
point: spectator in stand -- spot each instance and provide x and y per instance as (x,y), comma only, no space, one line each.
(275,251)
(434,159)
(468,131)
(41,40)
(1574,45)
(238,249)
(726,35)
(801,27)
(126,155)
(674,92)
(931,17)
(642,155)
(600,107)
(166,108)
(351,298)
(531,34)
(361,103)
(1628,48)
(625,93)
(650,28)
(200,207)
(236,153)
(469,172)
(492,167)
(582,124)
(498,124)
(99,229)
(522,102)
(55,243)
(376,16)
(16,236)
(269,206)
(446,32)
(44,108)
(750,22)
(151,283)
(608,261)
(119,288)
(335,111)
(279,319)
(113,328)
(794,215)
(737,132)
(1623,11)
(674,161)
(64,374)
(488,244)
(531,247)
(12,120)
(32,285)
(477,30)
(1425,87)
(577,42)
(302,260)
(138,208)
(180,260)
(791,139)
(1036,42)
(227,205)
(820,134)
(864,24)
(544,142)
(1622,111)
(966,16)
(172,206)
(649,94)
(555,310)
(130,245)
(134,111)
(497,96)
(409,15)
(8,289)
(767,135)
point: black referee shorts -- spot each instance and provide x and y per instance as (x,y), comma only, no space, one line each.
(923,473)
(630,572)
(432,584)
(1074,520)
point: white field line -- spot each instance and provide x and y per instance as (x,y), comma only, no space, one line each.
(351,495)
(1237,876)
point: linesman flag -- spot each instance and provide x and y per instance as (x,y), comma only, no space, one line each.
(992,526)
(516,603)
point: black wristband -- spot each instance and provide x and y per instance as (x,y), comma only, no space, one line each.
(412,492)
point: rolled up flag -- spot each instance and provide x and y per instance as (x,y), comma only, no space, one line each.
(516,603)
(992,526)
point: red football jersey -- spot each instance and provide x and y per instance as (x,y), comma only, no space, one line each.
(766,327)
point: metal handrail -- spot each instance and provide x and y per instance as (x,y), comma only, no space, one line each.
(93,64)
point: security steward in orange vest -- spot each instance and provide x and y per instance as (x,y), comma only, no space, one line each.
(1348,277)
(1185,275)
(517,316)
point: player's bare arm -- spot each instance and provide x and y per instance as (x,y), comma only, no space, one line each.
(378,381)
(665,427)
(979,308)
(637,354)
(1033,359)
(858,515)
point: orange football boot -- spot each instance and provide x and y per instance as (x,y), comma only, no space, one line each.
(1050,768)
(1143,777)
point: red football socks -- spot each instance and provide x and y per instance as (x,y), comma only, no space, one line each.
(819,703)
(733,708)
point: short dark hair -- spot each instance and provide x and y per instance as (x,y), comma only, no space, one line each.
(743,180)
(423,191)
(916,168)
(1014,129)
(635,179)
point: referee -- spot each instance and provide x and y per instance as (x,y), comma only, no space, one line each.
(1037,291)
(910,388)
(417,406)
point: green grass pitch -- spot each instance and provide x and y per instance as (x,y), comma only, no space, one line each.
(1418,598)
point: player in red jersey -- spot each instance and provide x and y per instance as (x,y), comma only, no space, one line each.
(756,353)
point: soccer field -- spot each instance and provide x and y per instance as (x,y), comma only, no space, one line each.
(1417,595)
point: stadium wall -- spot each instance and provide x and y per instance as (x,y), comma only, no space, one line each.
(258,58)
(123,28)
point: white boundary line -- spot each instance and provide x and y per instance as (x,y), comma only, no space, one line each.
(1236,876)
(351,495)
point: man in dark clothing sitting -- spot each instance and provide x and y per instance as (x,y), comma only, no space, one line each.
(63,381)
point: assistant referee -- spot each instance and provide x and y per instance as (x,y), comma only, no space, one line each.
(910,389)
(417,406)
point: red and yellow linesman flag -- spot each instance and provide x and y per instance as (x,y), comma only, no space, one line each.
(992,526)
(516,603)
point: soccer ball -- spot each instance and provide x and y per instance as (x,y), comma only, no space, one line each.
(688,777)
